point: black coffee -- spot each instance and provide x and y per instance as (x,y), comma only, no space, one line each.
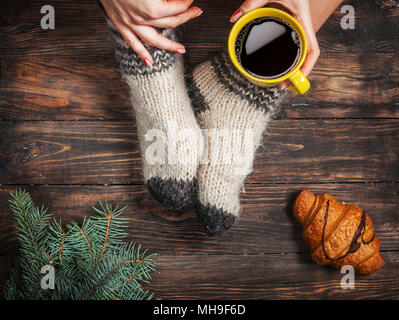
(268,48)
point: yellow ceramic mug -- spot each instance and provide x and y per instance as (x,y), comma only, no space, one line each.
(299,82)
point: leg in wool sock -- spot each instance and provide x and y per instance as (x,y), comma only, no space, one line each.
(234,114)
(170,138)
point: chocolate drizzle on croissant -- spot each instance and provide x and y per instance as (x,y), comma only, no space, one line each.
(337,233)
(354,245)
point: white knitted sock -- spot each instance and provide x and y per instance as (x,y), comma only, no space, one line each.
(170,138)
(235,113)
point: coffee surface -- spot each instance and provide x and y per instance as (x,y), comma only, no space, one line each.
(268,48)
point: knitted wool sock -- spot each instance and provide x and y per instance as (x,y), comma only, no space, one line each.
(234,113)
(170,138)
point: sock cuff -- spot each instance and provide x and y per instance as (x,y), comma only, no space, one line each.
(268,99)
(131,64)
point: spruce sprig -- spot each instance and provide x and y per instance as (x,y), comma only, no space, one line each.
(91,261)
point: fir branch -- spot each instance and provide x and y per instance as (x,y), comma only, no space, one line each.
(107,276)
(109,217)
(61,245)
(36,287)
(87,241)
(93,253)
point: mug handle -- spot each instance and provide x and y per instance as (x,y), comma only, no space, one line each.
(299,83)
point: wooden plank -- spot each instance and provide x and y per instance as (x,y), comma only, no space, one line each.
(266,224)
(89,87)
(70,152)
(62,88)
(80,29)
(272,276)
(376,27)
(350,85)
(266,277)
(105,152)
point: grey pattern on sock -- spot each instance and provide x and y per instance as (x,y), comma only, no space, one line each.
(268,98)
(215,221)
(173,194)
(131,63)
(197,99)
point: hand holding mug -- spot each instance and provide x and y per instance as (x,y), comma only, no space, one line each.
(299,9)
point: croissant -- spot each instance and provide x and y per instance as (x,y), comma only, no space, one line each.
(338,234)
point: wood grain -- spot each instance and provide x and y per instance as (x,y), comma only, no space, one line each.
(62,88)
(81,29)
(376,28)
(273,276)
(89,88)
(266,224)
(350,86)
(108,152)
(267,277)
(68,136)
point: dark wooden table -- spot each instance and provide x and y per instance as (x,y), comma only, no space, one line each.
(68,136)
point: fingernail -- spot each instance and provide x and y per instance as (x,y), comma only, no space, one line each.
(148,63)
(198,14)
(180,51)
(236,15)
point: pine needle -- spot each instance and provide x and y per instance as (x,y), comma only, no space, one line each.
(90,261)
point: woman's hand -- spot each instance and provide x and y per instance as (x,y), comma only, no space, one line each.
(300,11)
(136,19)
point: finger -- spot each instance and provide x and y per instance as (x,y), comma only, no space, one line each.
(285,84)
(134,42)
(310,62)
(174,21)
(313,47)
(128,35)
(247,5)
(151,37)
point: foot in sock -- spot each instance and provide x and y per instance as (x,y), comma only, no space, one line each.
(170,138)
(234,114)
